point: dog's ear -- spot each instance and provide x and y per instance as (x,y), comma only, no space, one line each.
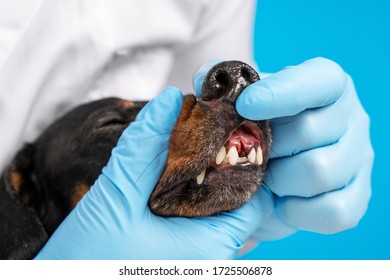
(21,231)
(20,179)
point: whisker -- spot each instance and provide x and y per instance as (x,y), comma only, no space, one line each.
(156,135)
(165,133)
(150,163)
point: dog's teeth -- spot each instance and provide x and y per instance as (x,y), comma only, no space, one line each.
(200,177)
(259,156)
(252,155)
(242,160)
(232,156)
(221,155)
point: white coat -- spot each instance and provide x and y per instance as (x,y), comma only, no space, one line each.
(56,54)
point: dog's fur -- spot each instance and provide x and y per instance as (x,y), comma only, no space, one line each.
(47,178)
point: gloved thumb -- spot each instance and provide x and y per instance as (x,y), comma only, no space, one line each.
(139,158)
(315,83)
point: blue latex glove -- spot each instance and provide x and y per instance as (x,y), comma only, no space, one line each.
(113,221)
(321,159)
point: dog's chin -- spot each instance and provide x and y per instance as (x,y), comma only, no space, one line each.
(223,188)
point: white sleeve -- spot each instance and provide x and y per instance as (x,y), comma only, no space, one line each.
(225,31)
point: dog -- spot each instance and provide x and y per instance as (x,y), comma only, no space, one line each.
(216,161)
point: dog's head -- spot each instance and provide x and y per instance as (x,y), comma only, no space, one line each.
(216,159)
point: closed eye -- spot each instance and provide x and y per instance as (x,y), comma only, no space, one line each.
(111,122)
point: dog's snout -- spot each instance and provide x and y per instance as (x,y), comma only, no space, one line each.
(226,81)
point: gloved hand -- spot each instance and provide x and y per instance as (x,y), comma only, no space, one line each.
(113,220)
(321,159)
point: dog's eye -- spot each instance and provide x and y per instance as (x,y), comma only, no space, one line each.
(111,122)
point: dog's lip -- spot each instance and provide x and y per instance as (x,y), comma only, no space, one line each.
(175,190)
(211,172)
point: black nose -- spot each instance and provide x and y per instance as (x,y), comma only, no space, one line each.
(226,80)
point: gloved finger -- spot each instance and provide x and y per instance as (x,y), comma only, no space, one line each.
(312,84)
(140,155)
(197,80)
(239,224)
(273,228)
(322,169)
(315,127)
(329,212)
(222,234)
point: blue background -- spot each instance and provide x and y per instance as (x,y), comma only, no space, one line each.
(355,34)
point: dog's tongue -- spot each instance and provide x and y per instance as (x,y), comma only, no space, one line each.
(243,139)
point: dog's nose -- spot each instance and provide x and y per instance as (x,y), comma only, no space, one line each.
(226,80)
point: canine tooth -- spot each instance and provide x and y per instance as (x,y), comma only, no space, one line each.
(200,177)
(259,156)
(232,155)
(221,155)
